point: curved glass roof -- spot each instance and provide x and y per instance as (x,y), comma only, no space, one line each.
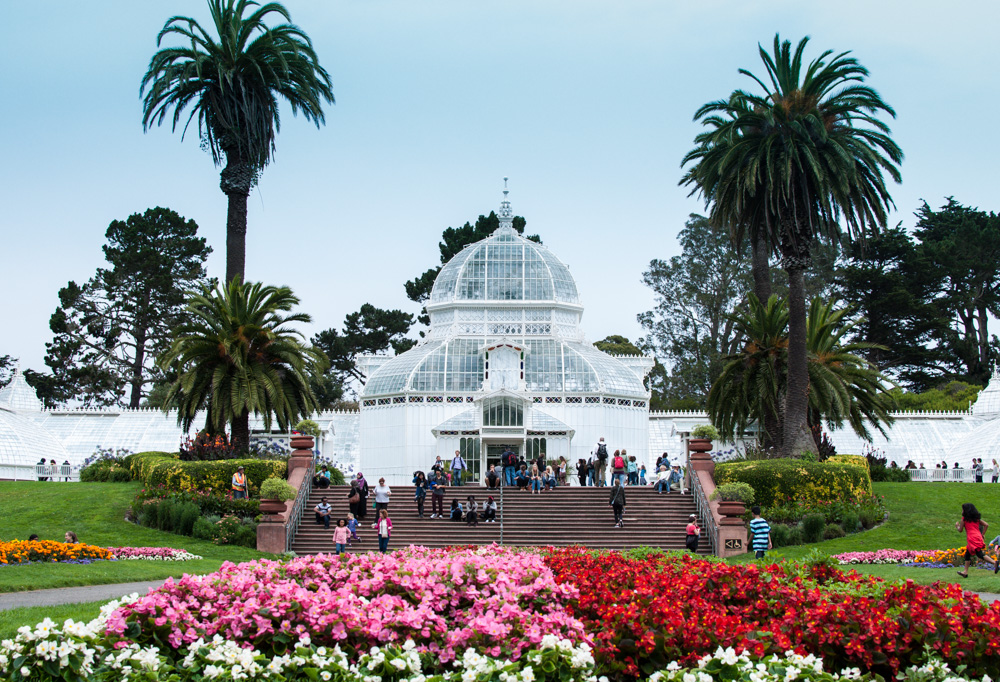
(551,365)
(19,396)
(505,267)
(22,441)
(988,401)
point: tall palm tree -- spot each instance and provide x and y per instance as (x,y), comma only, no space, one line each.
(844,387)
(236,356)
(233,81)
(805,156)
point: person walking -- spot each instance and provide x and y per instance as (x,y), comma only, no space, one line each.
(618,467)
(632,468)
(352,525)
(341,534)
(354,498)
(599,456)
(363,492)
(617,502)
(323,512)
(761,531)
(642,474)
(419,492)
(239,485)
(581,471)
(693,533)
(382,494)
(458,468)
(437,485)
(974,526)
(996,472)
(384,525)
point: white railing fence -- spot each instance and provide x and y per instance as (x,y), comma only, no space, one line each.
(949,475)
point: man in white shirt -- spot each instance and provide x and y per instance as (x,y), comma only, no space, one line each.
(323,513)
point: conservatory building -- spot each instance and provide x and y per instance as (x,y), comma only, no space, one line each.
(505,365)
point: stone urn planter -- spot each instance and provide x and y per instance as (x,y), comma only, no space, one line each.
(699,444)
(731,508)
(272,507)
(302,452)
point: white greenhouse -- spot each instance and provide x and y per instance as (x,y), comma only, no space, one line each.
(505,365)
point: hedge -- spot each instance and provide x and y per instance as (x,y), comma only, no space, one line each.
(165,468)
(777,481)
(856,460)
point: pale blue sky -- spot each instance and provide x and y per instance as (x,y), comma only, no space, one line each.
(586,105)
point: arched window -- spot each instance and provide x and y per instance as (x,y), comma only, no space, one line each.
(502,412)
(533,448)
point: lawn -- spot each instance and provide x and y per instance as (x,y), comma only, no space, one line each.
(921,516)
(96,513)
(12,619)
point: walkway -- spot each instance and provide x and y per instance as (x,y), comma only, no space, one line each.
(73,595)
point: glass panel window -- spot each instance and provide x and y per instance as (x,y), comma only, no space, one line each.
(503,412)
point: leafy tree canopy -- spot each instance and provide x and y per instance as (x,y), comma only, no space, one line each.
(954,396)
(109,330)
(368,331)
(617,345)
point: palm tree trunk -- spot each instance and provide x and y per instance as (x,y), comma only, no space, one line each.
(797,436)
(235,181)
(240,439)
(760,265)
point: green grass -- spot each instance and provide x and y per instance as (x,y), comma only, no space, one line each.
(12,619)
(921,516)
(96,513)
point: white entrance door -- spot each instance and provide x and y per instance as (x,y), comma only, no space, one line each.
(505,369)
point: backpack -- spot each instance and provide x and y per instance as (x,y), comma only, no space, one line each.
(619,462)
(602,452)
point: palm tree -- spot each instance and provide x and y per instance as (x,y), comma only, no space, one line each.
(844,388)
(799,159)
(232,82)
(236,355)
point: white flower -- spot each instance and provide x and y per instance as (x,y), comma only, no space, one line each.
(325,675)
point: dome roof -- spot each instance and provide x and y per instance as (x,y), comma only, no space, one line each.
(19,396)
(987,404)
(502,268)
(22,441)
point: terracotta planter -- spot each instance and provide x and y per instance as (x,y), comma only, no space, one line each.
(699,445)
(272,507)
(302,443)
(731,508)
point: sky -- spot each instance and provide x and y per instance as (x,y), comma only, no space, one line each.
(587,106)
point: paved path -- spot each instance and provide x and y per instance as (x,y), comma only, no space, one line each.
(76,595)
(73,595)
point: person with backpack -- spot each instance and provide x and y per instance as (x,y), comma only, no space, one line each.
(618,468)
(509,461)
(633,470)
(458,468)
(617,502)
(600,458)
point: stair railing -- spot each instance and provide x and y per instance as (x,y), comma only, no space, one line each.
(298,509)
(704,512)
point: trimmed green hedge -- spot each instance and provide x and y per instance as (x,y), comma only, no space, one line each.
(777,481)
(165,468)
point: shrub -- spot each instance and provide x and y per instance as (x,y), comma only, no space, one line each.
(162,468)
(870,518)
(275,488)
(833,531)
(189,515)
(705,431)
(207,448)
(850,522)
(856,460)
(734,492)
(226,530)
(813,526)
(106,465)
(896,476)
(203,529)
(308,427)
(779,535)
(776,482)
(795,536)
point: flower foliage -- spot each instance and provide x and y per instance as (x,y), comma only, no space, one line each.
(151,554)
(648,612)
(25,551)
(499,602)
(927,557)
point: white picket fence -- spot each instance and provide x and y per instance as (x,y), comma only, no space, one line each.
(35,472)
(948,475)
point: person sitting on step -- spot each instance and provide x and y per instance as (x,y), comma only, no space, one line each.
(456,510)
(662,482)
(548,479)
(323,513)
(536,480)
(490,510)
(677,480)
(523,479)
(471,512)
(322,478)
(493,478)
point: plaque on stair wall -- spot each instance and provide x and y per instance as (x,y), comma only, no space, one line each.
(734,543)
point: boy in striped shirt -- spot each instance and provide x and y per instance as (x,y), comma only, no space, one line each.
(761,532)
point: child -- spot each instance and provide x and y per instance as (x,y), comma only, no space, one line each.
(974,526)
(384,530)
(352,525)
(341,534)
(642,474)
(761,532)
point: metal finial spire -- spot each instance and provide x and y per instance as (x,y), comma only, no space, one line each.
(506,214)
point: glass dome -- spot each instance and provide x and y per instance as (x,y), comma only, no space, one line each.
(22,441)
(19,396)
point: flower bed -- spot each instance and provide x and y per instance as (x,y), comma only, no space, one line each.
(151,554)
(929,558)
(25,551)
(646,612)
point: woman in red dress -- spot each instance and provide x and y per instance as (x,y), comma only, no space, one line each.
(974,526)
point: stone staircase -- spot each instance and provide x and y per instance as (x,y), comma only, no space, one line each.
(565,516)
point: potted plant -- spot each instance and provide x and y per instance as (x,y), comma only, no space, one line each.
(733,498)
(702,437)
(274,492)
